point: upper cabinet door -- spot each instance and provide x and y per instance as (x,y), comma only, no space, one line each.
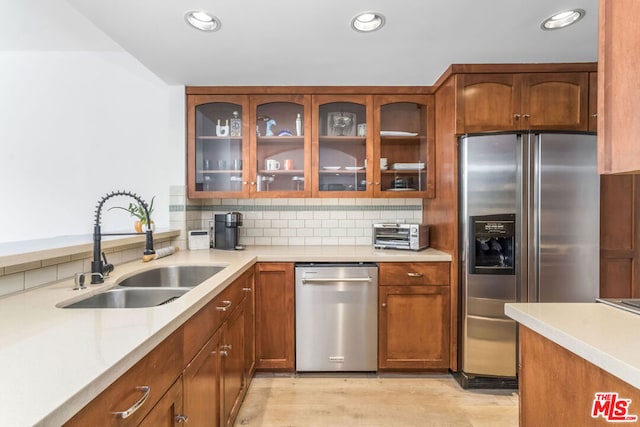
(404,129)
(342,150)
(217,146)
(280,146)
(618,88)
(555,101)
(522,101)
(487,102)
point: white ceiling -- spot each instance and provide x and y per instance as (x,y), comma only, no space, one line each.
(309,42)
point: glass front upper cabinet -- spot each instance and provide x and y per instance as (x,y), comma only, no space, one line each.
(404,146)
(280,146)
(342,151)
(218,146)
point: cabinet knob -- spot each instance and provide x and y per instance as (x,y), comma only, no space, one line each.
(411,274)
(225,347)
(244,182)
(224,353)
(384,305)
(377,183)
(247,289)
(594,115)
(181,418)
(526,116)
(516,116)
(253,183)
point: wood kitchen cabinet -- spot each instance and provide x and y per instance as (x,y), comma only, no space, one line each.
(333,150)
(342,145)
(275,321)
(522,101)
(280,158)
(200,373)
(413,325)
(404,146)
(169,410)
(218,156)
(557,387)
(138,390)
(618,89)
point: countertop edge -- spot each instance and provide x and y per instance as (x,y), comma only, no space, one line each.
(591,352)
(71,404)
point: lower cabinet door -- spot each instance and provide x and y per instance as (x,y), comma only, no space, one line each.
(168,412)
(202,384)
(232,357)
(413,327)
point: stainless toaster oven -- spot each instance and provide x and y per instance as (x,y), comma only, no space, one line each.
(401,236)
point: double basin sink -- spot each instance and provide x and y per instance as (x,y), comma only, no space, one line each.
(150,288)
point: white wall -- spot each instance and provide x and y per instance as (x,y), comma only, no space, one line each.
(77,124)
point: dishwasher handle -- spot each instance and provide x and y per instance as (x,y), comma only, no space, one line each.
(336,279)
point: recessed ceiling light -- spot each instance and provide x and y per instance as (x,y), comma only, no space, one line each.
(562,19)
(201,20)
(366,22)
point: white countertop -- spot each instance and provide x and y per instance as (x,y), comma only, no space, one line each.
(603,335)
(54,361)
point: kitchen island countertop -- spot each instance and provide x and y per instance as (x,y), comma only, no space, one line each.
(53,361)
(603,335)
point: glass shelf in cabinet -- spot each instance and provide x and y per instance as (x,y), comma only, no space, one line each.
(234,138)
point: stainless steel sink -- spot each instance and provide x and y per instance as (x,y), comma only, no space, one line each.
(130,298)
(174,276)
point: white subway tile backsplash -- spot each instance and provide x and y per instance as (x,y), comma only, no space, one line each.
(313,221)
(338,232)
(271,232)
(69,269)
(297,241)
(280,241)
(287,232)
(33,278)
(322,232)
(261,241)
(11,283)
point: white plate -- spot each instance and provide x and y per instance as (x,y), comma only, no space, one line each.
(331,168)
(396,133)
(354,168)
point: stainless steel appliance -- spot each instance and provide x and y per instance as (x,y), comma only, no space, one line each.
(226,235)
(400,236)
(336,317)
(529,218)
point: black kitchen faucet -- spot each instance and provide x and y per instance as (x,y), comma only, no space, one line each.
(99,266)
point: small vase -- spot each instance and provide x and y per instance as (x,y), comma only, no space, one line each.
(142,228)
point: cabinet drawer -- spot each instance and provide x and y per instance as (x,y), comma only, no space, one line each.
(413,273)
(205,322)
(158,370)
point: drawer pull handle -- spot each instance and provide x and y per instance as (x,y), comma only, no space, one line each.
(224,353)
(415,274)
(181,418)
(146,390)
(246,289)
(224,307)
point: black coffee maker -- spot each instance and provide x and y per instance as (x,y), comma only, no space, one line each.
(226,231)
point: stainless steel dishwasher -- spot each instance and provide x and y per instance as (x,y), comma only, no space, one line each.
(336,317)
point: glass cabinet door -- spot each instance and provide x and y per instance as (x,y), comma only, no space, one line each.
(404,146)
(281,149)
(342,153)
(217,151)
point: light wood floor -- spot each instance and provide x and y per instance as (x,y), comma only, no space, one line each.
(370,400)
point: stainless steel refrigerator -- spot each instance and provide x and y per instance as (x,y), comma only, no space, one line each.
(529,218)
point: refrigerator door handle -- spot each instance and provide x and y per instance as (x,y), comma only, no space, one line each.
(534,220)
